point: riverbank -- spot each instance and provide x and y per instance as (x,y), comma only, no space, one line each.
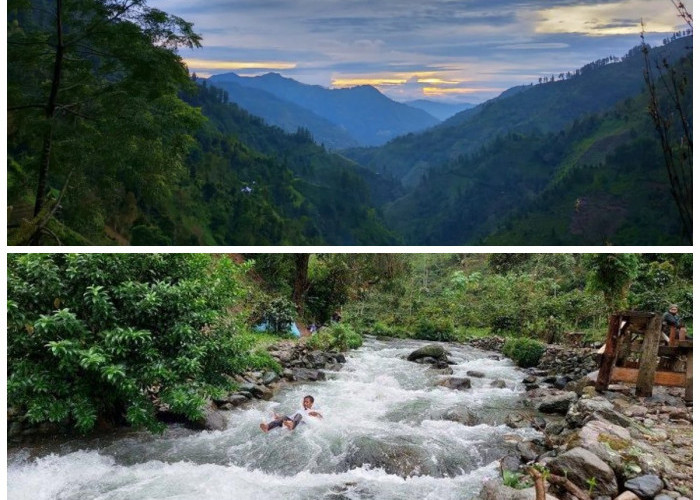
(611,445)
(299,362)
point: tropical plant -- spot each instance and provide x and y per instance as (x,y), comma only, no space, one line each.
(115,336)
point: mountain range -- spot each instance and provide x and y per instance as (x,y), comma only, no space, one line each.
(337,118)
(440,110)
(543,108)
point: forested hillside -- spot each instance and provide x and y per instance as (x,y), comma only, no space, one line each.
(601,180)
(546,107)
(364,113)
(110,141)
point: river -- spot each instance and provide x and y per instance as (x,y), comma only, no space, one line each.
(387,433)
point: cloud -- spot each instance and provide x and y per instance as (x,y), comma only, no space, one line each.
(618,18)
(235,65)
(491,45)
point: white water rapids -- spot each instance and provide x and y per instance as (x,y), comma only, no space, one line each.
(384,435)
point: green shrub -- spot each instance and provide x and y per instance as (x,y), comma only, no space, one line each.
(278,313)
(381,329)
(337,336)
(440,329)
(525,352)
(322,340)
(89,334)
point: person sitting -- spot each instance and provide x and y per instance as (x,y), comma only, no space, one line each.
(672,319)
(291,422)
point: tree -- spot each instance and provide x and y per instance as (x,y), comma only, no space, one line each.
(612,274)
(301,280)
(670,105)
(92,103)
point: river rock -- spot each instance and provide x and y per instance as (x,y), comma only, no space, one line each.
(213,419)
(308,374)
(510,463)
(579,386)
(269,378)
(431,350)
(558,403)
(458,383)
(529,450)
(236,399)
(627,495)
(461,415)
(402,459)
(645,486)
(579,465)
(475,374)
(585,408)
(615,446)
(427,360)
(516,420)
(498,383)
(494,489)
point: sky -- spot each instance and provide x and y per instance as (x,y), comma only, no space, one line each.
(445,50)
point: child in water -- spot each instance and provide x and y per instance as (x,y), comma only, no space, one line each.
(291,422)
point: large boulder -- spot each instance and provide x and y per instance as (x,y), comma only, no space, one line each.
(646,486)
(429,351)
(557,403)
(308,374)
(580,465)
(587,408)
(461,415)
(458,383)
(212,420)
(615,446)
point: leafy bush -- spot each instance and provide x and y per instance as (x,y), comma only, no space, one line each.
(516,480)
(439,329)
(278,313)
(93,335)
(337,336)
(382,329)
(525,352)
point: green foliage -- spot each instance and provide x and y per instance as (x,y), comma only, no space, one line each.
(516,480)
(278,313)
(439,329)
(592,483)
(104,101)
(94,335)
(337,336)
(612,274)
(524,351)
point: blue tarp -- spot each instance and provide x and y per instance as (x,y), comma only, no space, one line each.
(265,327)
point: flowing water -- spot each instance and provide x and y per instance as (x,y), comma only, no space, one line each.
(388,432)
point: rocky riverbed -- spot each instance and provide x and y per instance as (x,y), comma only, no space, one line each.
(611,445)
(431,417)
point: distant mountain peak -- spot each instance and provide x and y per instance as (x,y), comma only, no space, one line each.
(369,116)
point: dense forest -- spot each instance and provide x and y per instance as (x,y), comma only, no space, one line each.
(111,141)
(113,337)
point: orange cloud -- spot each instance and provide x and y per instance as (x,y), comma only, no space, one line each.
(233,65)
(440,91)
(353,82)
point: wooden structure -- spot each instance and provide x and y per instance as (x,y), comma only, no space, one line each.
(636,351)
